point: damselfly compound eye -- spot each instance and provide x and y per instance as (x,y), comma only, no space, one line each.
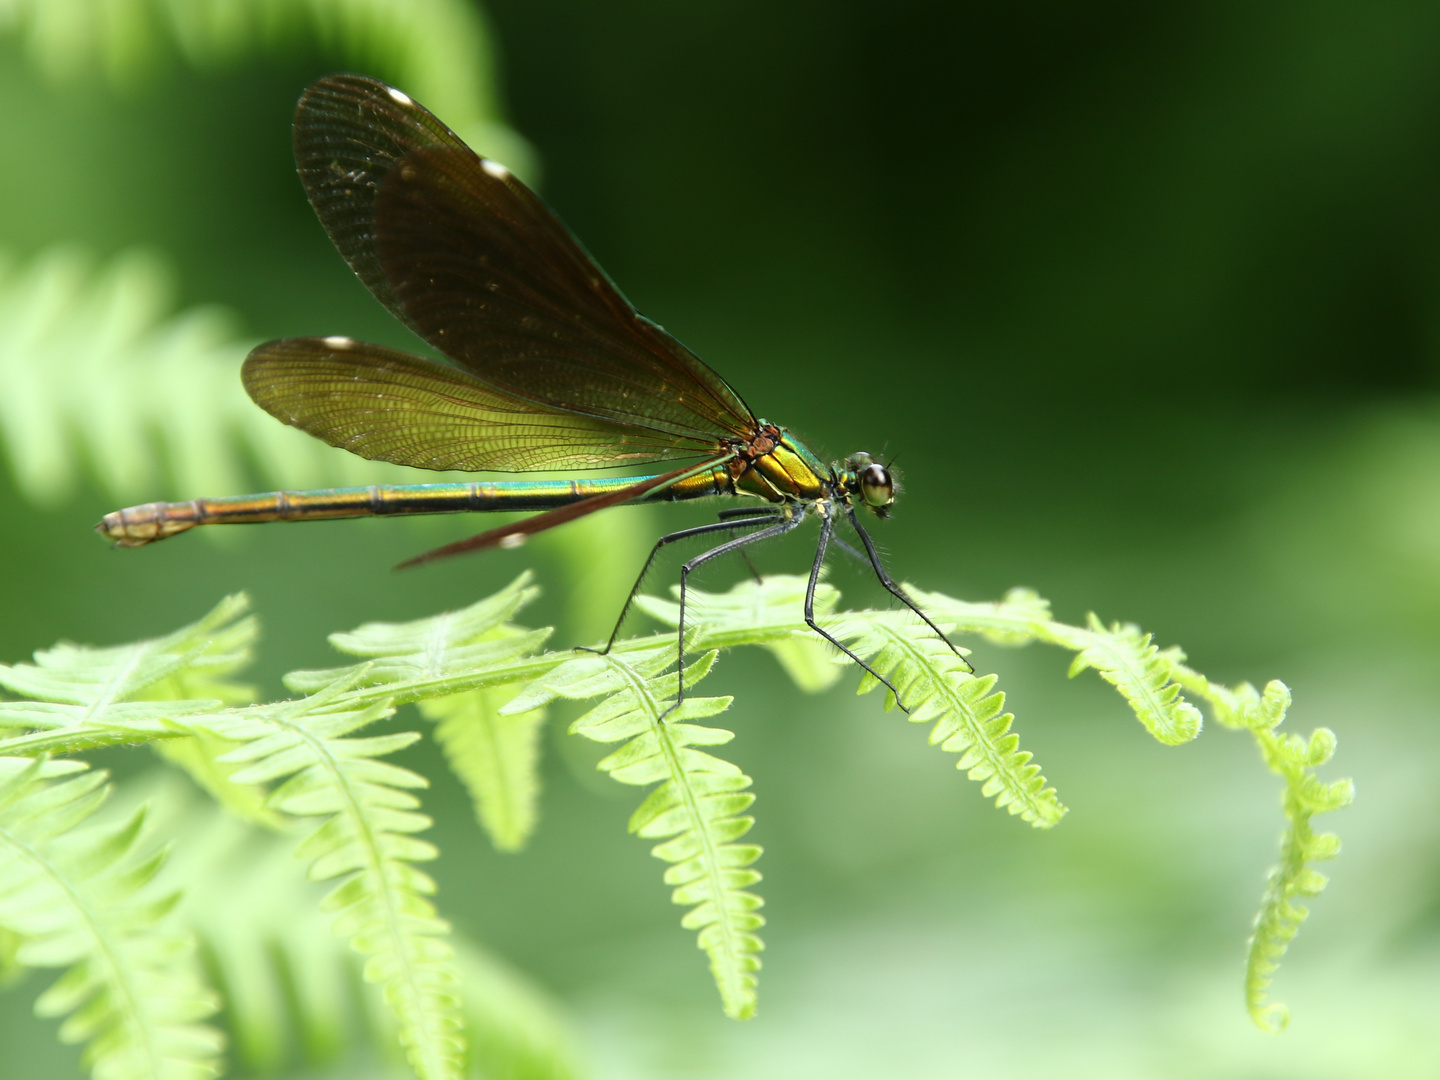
(876,487)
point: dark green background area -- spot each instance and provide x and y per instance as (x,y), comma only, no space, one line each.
(1145,302)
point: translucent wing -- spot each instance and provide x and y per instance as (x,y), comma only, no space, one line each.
(387,405)
(479,267)
(349,133)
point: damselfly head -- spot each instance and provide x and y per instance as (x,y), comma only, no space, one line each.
(872,481)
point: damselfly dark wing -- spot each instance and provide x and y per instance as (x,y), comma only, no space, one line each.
(480,268)
(387,405)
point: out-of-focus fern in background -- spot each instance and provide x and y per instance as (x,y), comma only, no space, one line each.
(1145,304)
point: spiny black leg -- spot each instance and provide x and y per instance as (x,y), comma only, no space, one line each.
(683,534)
(737,511)
(779,528)
(827,527)
(898,592)
(742,511)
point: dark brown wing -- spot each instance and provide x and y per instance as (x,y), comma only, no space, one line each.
(390,406)
(479,267)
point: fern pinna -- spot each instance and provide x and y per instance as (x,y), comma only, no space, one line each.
(698,804)
(80,896)
(314,766)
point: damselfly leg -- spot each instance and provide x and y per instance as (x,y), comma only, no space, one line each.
(779,528)
(827,529)
(734,518)
(895,590)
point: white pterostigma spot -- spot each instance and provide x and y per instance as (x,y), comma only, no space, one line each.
(340,342)
(514,540)
(495,169)
(399,96)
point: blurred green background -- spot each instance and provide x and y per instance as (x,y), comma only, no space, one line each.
(1145,302)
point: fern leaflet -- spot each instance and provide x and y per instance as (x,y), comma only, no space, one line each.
(698,804)
(300,998)
(82,899)
(367,841)
(1151,679)
(1294,760)
(967,709)
(496,757)
(86,697)
(968,713)
(1122,654)
(1124,657)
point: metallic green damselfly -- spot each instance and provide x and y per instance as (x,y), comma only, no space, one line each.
(551,368)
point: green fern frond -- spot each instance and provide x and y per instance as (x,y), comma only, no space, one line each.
(967,710)
(209,676)
(1125,657)
(431,657)
(1122,654)
(95,679)
(293,992)
(287,982)
(698,804)
(1294,878)
(367,841)
(94,697)
(81,898)
(968,713)
(475,650)
(42,768)
(765,614)
(86,697)
(1151,680)
(495,756)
